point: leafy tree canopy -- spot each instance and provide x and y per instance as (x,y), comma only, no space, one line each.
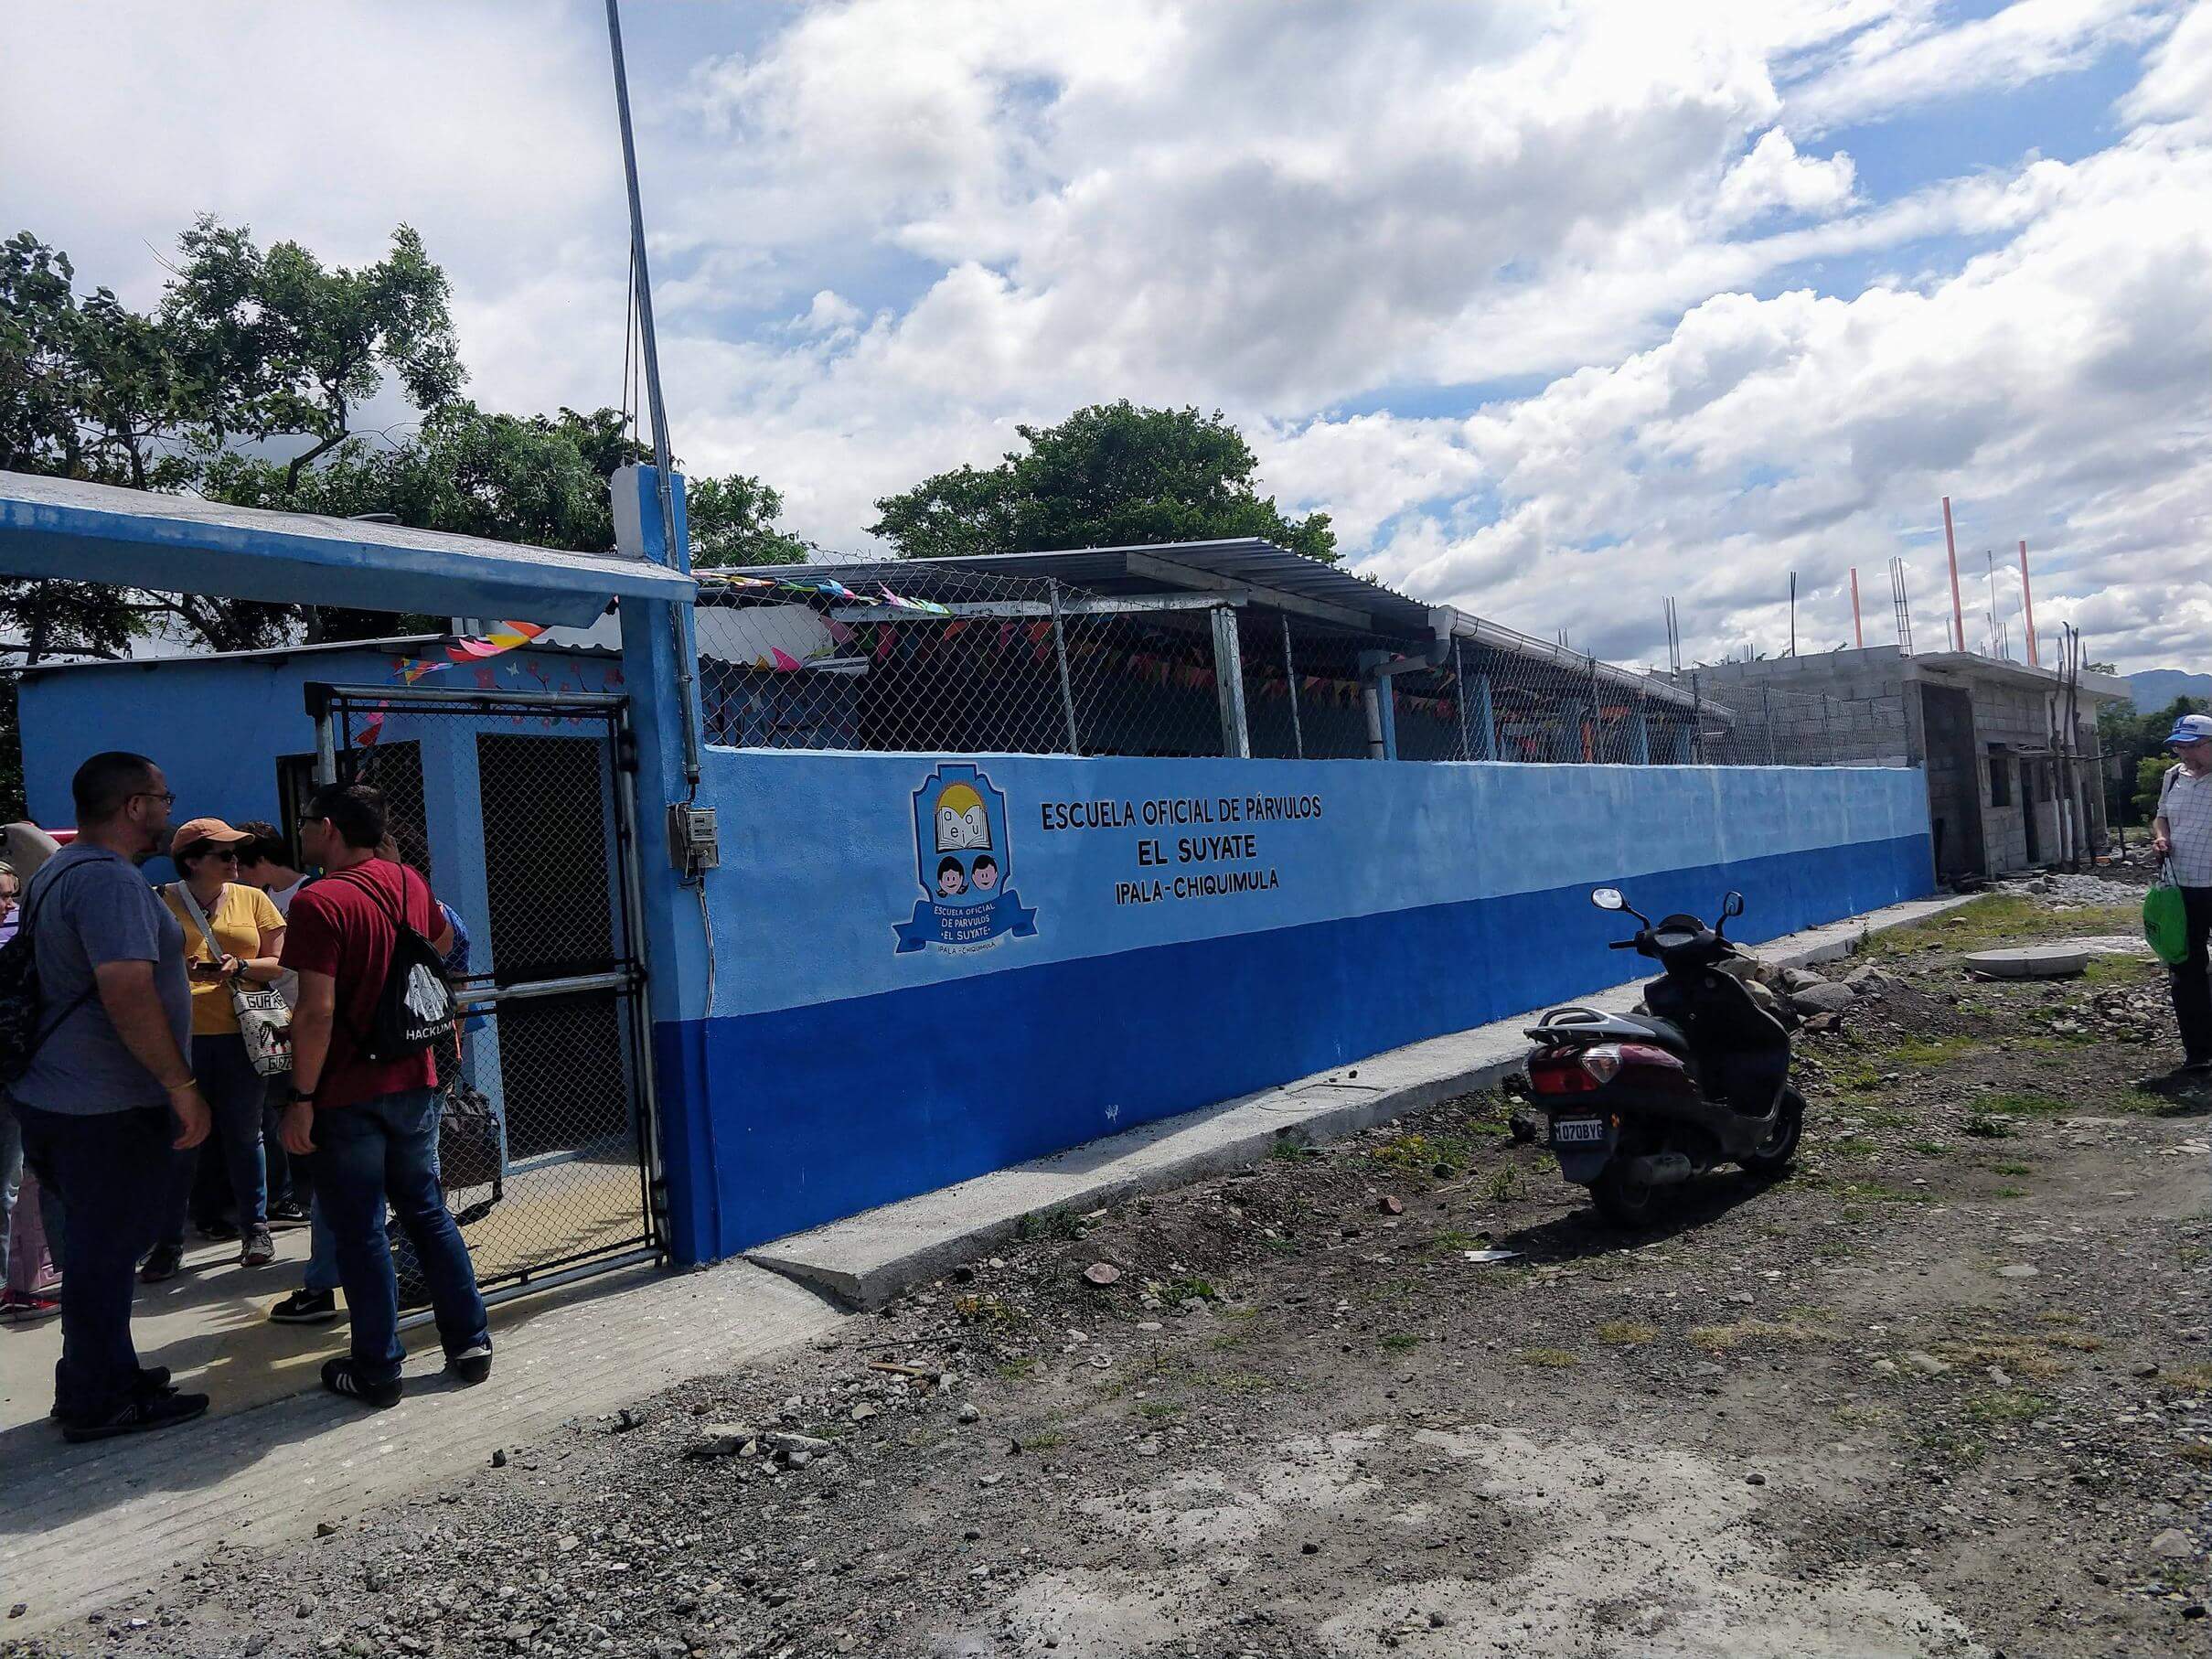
(1110,475)
(2134,742)
(245,385)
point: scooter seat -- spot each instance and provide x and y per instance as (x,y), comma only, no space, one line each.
(1664,1032)
(1586,1025)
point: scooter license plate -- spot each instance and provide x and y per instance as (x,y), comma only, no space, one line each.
(1577,1131)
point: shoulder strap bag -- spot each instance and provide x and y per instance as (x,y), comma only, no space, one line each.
(264,1019)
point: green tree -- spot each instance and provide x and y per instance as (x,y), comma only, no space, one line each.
(732,522)
(2150,773)
(1110,475)
(2134,743)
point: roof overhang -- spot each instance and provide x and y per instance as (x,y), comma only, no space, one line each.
(1970,665)
(95,532)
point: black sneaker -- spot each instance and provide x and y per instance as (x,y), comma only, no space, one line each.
(143,1413)
(285,1215)
(259,1250)
(162,1262)
(472,1366)
(340,1377)
(306,1308)
(217,1231)
(152,1379)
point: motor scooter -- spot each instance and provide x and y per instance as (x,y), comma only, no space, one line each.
(1640,1103)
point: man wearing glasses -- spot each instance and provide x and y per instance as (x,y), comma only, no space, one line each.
(2182,835)
(108,1097)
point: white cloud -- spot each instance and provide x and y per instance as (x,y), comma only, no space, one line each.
(1910,59)
(1775,176)
(883,234)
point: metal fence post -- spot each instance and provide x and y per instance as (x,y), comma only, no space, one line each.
(1596,712)
(1639,736)
(1059,654)
(1765,704)
(1297,729)
(1697,722)
(1459,678)
(1229,684)
(1828,729)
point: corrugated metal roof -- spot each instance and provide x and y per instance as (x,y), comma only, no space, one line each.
(67,528)
(386,643)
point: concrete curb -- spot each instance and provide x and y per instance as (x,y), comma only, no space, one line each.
(864,1260)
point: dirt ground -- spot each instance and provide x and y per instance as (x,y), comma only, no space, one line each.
(1946,1389)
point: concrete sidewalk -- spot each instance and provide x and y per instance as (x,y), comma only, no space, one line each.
(866,1260)
(81,1525)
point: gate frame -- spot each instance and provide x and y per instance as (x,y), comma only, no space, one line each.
(326,701)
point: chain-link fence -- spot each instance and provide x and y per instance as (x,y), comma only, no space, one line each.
(512,808)
(950,657)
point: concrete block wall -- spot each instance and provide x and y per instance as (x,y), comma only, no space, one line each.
(1157,934)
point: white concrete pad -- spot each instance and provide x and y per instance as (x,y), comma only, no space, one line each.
(866,1260)
(80,1525)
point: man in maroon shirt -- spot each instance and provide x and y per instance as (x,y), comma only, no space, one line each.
(371,1126)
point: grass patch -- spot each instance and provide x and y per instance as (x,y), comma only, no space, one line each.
(1865,1414)
(2056,1318)
(1852,1146)
(1875,1191)
(1417,1153)
(987,1311)
(1158,1411)
(1626,1332)
(1060,1224)
(1016,1370)
(2194,1452)
(1983,1127)
(1454,1239)
(2010,1193)
(2117,972)
(1720,1339)
(1929,1051)
(1188,1289)
(1050,1440)
(1887,1118)
(2080,1342)
(2019,1355)
(2001,918)
(2188,1376)
(1928,1149)
(2004,1406)
(2025,1103)
(1398,1341)
(1556,1359)
(1504,1184)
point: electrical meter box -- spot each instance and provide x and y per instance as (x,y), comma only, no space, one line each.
(694,840)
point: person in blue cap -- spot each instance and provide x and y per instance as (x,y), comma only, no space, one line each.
(2182,835)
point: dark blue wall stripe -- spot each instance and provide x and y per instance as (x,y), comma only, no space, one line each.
(820,1112)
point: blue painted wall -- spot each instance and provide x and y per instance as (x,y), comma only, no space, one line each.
(1398,901)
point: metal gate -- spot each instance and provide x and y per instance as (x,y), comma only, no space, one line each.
(519,808)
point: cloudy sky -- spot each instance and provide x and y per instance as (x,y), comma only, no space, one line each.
(1558,308)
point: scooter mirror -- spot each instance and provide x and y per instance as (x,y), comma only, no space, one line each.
(1732,906)
(1607,898)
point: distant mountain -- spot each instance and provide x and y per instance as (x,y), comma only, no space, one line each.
(2158,687)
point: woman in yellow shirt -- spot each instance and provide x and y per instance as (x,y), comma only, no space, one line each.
(250,933)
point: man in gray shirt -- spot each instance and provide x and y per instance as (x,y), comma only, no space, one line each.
(108,1097)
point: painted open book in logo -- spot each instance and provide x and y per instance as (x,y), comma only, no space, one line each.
(964,865)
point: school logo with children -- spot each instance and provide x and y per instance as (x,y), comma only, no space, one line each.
(964,867)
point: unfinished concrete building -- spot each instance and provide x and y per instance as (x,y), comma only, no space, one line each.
(2010,787)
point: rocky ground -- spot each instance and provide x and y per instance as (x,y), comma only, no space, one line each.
(1947,1390)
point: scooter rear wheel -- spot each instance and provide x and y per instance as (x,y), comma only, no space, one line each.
(1780,1146)
(1623,1199)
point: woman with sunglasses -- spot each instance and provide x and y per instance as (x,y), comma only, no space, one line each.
(250,933)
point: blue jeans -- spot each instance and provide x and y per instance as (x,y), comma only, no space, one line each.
(235,1093)
(386,1152)
(111,1169)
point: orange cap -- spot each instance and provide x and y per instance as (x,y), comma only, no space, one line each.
(204,829)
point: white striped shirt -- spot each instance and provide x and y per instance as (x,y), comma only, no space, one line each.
(2185,801)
